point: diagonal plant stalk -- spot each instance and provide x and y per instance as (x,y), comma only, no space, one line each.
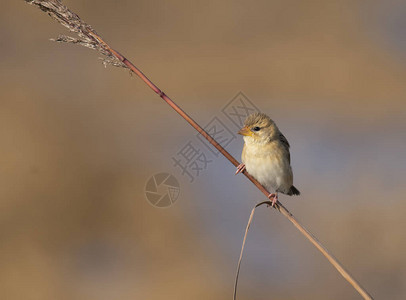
(90,39)
(243,245)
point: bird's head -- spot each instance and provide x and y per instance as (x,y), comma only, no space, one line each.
(259,128)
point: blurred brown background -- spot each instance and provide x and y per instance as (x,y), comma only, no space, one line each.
(78,143)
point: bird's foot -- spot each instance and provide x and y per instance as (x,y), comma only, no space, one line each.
(274,198)
(240,168)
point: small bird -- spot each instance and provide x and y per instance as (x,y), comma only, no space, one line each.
(266,156)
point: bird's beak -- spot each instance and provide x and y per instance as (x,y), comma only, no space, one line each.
(245,131)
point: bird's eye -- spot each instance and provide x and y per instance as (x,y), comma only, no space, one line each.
(256,128)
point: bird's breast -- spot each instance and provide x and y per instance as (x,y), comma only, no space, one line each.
(269,165)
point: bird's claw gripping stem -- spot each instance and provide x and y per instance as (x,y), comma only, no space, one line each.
(274,198)
(240,168)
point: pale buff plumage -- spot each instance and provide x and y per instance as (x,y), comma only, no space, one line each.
(266,155)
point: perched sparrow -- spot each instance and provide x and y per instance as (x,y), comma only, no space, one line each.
(266,156)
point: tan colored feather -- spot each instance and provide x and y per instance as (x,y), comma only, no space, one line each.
(266,154)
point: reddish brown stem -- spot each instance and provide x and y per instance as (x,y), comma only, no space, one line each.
(180,111)
(278,205)
(70,20)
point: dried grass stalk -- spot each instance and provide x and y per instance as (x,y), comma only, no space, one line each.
(56,10)
(90,39)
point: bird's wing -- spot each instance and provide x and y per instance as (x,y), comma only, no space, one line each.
(284,141)
(285,144)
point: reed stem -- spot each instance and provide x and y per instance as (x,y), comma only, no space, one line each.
(89,38)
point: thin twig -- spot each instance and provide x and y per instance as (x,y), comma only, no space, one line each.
(243,245)
(89,38)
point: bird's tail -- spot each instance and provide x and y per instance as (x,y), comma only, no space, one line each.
(294,191)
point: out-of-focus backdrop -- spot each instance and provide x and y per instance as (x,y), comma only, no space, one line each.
(78,143)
